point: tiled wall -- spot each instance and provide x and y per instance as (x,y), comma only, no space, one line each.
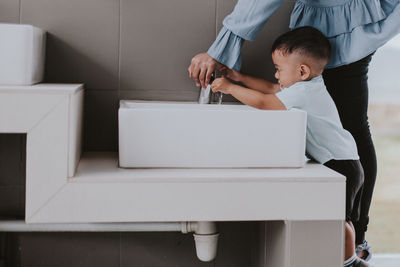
(123,49)
(133,49)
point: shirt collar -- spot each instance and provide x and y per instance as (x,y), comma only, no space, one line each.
(316,79)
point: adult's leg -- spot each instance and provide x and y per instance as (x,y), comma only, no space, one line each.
(348,87)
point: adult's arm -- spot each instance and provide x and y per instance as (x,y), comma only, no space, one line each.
(244,23)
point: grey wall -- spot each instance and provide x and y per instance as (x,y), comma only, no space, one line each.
(132,49)
(123,49)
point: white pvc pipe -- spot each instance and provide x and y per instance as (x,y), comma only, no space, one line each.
(21,226)
(205,238)
(202,228)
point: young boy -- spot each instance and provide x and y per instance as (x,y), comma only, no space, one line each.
(300,57)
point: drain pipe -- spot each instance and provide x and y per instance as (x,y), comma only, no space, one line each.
(205,238)
(205,233)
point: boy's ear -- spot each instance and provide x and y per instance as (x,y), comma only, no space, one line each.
(305,72)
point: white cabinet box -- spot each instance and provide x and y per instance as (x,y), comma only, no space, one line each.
(189,135)
(22,53)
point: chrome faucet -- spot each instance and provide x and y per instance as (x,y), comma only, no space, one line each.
(207,96)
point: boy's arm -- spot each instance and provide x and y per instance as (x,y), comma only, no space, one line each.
(247,96)
(259,84)
(256,99)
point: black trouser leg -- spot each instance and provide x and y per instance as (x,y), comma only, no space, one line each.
(348,87)
(354,174)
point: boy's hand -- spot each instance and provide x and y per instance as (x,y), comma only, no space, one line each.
(221,85)
(231,74)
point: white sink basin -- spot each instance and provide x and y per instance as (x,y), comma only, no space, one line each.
(22,52)
(190,135)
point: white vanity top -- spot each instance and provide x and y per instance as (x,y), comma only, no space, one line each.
(103,167)
(102,192)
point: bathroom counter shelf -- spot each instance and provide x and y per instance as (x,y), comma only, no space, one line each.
(196,194)
(103,167)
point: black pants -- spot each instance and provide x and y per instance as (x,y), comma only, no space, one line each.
(354,174)
(348,87)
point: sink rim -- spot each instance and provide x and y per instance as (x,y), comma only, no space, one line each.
(189,105)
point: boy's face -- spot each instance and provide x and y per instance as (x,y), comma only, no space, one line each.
(287,68)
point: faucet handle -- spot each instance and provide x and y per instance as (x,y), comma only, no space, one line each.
(212,77)
(205,94)
(217,97)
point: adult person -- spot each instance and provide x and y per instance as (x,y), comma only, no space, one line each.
(355,29)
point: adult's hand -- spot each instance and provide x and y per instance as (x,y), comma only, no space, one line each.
(201,68)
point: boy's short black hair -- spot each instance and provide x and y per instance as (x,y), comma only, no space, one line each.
(305,40)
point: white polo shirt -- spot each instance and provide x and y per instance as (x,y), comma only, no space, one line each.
(326,138)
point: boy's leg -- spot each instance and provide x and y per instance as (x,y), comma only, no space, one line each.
(352,227)
(351,260)
(349,249)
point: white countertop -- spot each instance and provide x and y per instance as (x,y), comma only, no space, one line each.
(102,192)
(103,167)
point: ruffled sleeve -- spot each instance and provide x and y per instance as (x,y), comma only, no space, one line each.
(248,17)
(244,23)
(226,49)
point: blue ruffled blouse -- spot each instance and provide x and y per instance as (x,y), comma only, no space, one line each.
(355,28)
